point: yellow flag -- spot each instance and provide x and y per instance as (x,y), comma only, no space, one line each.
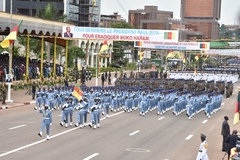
(104,47)
(11,37)
(196,58)
(94,2)
(184,60)
(141,56)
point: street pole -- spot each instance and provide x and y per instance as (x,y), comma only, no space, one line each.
(180,34)
(11,46)
(97,70)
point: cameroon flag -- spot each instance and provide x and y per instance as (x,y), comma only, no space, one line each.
(11,37)
(138,43)
(203,46)
(77,92)
(169,35)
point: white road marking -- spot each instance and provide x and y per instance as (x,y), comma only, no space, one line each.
(160,118)
(60,115)
(90,157)
(222,103)
(204,121)
(189,137)
(43,140)
(135,132)
(17,127)
(32,102)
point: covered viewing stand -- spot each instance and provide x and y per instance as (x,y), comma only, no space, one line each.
(47,31)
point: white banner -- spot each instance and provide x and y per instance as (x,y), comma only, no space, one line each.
(233,44)
(173,45)
(224,51)
(118,34)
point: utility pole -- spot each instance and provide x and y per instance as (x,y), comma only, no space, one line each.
(180,34)
(11,46)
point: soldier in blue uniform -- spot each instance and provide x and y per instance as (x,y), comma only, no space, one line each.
(58,98)
(46,121)
(106,103)
(44,96)
(80,114)
(65,112)
(39,99)
(70,109)
(50,97)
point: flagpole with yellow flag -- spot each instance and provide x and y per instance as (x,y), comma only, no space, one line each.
(7,42)
(103,48)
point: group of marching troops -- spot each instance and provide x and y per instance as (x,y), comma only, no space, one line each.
(99,100)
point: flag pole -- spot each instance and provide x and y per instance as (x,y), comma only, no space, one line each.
(97,70)
(11,46)
(10,58)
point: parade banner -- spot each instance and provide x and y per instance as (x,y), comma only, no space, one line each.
(173,45)
(233,44)
(117,34)
(224,51)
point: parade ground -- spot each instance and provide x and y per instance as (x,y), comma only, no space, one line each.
(122,136)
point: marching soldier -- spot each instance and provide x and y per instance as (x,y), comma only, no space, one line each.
(39,99)
(46,121)
(65,107)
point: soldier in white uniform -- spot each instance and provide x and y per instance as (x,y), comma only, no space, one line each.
(202,152)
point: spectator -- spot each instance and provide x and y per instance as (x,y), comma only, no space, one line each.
(225,133)
(231,141)
(33,90)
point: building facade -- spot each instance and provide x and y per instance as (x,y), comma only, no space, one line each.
(83,12)
(107,20)
(152,18)
(202,16)
(29,7)
(152,13)
(79,12)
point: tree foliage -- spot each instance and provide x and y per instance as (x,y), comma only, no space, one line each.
(50,12)
(120,46)
(74,53)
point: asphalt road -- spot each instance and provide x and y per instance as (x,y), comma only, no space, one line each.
(123,136)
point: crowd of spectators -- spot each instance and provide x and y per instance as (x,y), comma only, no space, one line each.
(19,68)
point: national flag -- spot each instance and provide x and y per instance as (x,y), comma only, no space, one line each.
(94,2)
(169,35)
(104,47)
(77,92)
(184,60)
(203,46)
(11,37)
(141,54)
(197,57)
(236,114)
(138,43)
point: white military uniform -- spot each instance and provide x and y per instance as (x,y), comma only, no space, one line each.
(202,152)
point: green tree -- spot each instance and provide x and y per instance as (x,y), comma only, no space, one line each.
(50,12)
(120,46)
(74,53)
(121,25)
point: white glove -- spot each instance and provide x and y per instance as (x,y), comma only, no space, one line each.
(50,124)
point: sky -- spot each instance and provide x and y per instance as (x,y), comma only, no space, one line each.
(230,11)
